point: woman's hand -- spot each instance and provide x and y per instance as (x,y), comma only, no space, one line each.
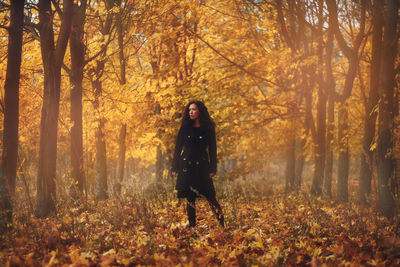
(212,174)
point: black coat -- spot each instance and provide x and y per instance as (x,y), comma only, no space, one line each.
(198,160)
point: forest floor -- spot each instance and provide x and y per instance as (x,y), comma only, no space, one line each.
(262,229)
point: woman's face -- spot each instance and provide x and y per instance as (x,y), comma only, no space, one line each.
(194,112)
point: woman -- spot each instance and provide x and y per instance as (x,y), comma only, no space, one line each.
(196,166)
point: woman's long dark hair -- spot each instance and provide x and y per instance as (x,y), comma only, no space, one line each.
(204,116)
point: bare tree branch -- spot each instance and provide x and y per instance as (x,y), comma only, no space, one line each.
(225,57)
(57,7)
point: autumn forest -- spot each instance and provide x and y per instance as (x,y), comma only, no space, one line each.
(305,99)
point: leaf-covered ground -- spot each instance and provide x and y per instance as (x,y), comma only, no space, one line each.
(261,230)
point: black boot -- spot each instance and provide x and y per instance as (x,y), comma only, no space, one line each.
(191,212)
(221,220)
(217,210)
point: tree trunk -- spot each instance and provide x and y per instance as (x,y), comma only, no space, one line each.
(351,54)
(122,59)
(101,164)
(77,49)
(316,188)
(343,161)
(319,141)
(8,168)
(95,75)
(370,109)
(299,165)
(329,152)
(330,84)
(121,159)
(122,134)
(290,161)
(52,57)
(385,156)
(159,164)
(101,153)
(292,34)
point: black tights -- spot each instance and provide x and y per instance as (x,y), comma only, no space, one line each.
(215,207)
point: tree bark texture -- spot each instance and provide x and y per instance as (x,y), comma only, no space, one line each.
(101,152)
(319,140)
(96,74)
(8,167)
(290,32)
(330,128)
(299,165)
(343,161)
(367,154)
(77,49)
(101,164)
(121,158)
(52,57)
(290,162)
(122,134)
(385,156)
(329,151)
(352,56)
(317,183)
(330,85)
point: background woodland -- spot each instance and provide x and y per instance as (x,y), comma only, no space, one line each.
(304,94)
